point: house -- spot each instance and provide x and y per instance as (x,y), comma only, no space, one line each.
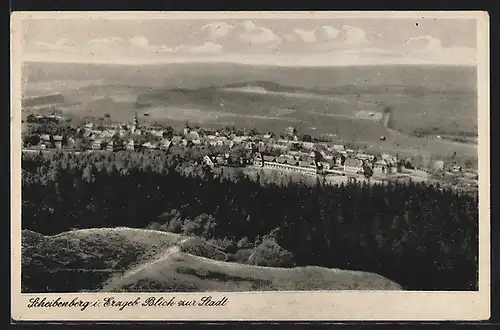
(58,141)
(130,146)
(88,134)
(456,168)
(281,160)
(110,146)
(364,156)
(311,164)
(353,166)
(44,141)
(258,160)
(208,161)
(149,145)
(269,158)
(338,147)
(308,145)
(303,163)
(158,133)
(325,166)
(98,144)
(381,166)
(325,156)
(279,147)
(176,140)
(165,144)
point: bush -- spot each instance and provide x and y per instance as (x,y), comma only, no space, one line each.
(270,254)
(201,248)
(242,256)
(244,243)
(227,245)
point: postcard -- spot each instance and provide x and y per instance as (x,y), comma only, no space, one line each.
(261,166)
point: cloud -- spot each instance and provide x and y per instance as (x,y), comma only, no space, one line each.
(424,43)
(217,30)
(306,36)
(65,43)
(327,38)
(429,49)
(351,36)
(59,45)
(206,48)
(319,34)
(139,42)
(106,41)
(165,49)
(250,33)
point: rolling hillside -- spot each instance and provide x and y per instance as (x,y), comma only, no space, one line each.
(125,259)
(424,101)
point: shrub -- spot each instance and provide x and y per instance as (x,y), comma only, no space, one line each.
(270,254)
(242,256)
(201,248)
(244,243)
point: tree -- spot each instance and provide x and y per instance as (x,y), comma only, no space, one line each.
(168,133)
(253,132)
(244,243)
(307,138)
(367,171)
(31,140)
(270,254)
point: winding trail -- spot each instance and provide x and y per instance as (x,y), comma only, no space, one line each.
(165,255)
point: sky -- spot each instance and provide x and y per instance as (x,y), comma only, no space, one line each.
(272,41)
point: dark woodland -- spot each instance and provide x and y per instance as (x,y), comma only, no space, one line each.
(422,236)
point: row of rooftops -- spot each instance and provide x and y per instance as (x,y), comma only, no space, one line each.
(47,137)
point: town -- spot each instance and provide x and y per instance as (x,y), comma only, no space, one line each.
(335,162)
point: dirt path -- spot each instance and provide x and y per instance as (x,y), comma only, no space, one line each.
(132,272)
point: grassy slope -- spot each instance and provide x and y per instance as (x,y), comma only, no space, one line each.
(85,258)
(184,272)
(124,259)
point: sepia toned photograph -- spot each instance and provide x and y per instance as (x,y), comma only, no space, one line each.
(246,154)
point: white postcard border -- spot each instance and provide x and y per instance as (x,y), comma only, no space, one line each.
(316,305)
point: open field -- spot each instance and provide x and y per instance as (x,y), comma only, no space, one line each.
(425,101)
(116,259)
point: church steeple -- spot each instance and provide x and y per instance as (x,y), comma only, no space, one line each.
(136,121)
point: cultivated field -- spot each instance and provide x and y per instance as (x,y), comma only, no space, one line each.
(424,101)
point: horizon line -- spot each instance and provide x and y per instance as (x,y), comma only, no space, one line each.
(246,64)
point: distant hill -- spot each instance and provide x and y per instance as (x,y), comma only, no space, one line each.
(43,100)
(125,259)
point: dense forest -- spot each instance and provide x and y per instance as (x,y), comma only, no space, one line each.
(421,236)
